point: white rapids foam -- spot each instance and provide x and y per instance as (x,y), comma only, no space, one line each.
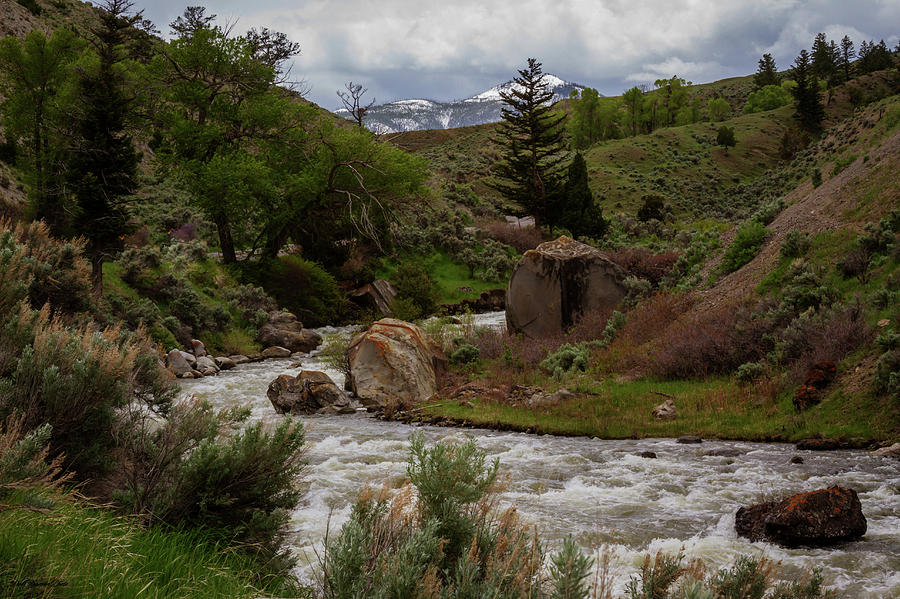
(599,491)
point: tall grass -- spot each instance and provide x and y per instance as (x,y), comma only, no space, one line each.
(77,551)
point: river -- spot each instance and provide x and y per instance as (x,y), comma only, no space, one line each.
(599,491)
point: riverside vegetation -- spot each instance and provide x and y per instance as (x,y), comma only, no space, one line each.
(110,486)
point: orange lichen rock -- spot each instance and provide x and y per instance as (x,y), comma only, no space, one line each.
(816,518)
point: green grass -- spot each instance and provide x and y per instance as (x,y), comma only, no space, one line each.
(712,408)
(448,275)
(78,551)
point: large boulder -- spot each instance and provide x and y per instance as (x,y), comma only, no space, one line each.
(556,283)
(817,518)
(178,363)
(207,366)
(395,361)
(284,330)
(309,392)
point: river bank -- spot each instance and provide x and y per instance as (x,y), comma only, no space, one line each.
(713,408)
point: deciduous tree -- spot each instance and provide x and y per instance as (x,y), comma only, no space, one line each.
(36,76)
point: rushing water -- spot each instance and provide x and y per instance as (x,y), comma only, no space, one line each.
(599,491)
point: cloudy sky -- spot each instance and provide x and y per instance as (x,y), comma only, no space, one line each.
(451,49)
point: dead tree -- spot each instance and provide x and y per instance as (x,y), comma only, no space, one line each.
(352,100)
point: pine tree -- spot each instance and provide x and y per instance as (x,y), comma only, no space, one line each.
(102,165)
(531,135)
(806,94)
(766,73)
(822,58)
(579,213)
(848,53)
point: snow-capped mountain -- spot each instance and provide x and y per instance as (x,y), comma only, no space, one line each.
(415,114)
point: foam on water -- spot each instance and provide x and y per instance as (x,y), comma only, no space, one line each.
(599,491)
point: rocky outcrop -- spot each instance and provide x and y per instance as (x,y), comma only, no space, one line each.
(665,411)
(310,392)
(557,282)
(284,330)
(395,362)
(376,295)
(817,518)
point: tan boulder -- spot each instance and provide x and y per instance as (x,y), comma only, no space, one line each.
(284,330)
(395,361)
(557,282)
(276,352)
(665,411)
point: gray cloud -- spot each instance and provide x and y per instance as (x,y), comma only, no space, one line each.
(443,49)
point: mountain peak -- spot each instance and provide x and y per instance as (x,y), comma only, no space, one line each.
(417,113)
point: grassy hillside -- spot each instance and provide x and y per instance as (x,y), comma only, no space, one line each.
(821,285)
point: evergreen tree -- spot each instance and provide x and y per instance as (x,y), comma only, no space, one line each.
(579,213)
(822,58)
(848,53)
(806,94)
(531,135)
(101,168)
(766,73)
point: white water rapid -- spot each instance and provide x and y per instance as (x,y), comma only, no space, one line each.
(599,491)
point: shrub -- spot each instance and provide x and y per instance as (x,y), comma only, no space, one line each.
(887,374)
(795,244)
(644,264)
(520,238)
(815,176)
(70,377)
(568,358)
(466,353)
(196,469)
(768,211)
(249,299)
(23,457)
(413,283)
(302,287)
(334,352)
(443,540)
(749,372)
(653,207)
(746,245)
(55,272)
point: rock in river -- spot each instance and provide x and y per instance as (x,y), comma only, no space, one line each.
(284,330)
(556,283)
(817,518)
(309,392)
(395,361)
